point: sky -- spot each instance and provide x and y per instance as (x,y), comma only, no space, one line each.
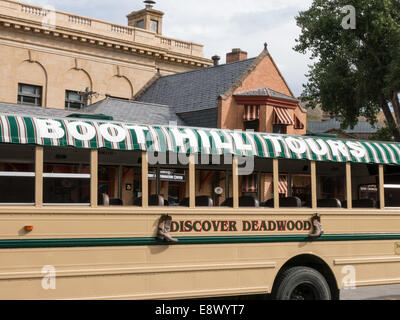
(219,25)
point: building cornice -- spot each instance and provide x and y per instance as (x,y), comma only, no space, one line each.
(264,100)
(115,37)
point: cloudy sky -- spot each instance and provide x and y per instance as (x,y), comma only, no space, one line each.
(219,25)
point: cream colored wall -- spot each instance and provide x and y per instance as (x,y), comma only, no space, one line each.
(58,65)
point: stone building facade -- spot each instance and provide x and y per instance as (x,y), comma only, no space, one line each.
(50,56)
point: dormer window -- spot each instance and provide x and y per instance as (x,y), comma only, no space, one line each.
(154,25)
(140,24)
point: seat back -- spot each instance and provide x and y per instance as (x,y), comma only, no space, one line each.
(204,201)
(154,200)
(362,203)
(115,202)
(329,203)
(227,203)
(290,202)
(248,201)
(268,204)
(245,201)
(201,201)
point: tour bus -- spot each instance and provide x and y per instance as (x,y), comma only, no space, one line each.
(99,209)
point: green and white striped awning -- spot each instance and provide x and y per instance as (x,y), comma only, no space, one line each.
(81,133)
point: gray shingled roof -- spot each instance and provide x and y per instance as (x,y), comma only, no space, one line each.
(325,126)
(266,92)
(26,110)
(120,110)
(195,90)
(134,111)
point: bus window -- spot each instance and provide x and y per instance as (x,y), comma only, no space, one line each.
(213,187)
(214,184)
(331,184)
(66,176)
(17,174)
(364,181)
(119,178)
(392,186)
(261,182)
(168,178)
(168,185)
(294,183)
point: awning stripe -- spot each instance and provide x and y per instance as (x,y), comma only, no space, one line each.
(124,136)
(283,116)
(282,185)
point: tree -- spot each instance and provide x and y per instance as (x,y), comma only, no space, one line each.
(357,70)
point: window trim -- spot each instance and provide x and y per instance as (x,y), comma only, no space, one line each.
(68,101)
(17,174)
(37,96)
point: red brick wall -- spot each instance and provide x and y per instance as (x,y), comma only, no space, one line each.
(264,75)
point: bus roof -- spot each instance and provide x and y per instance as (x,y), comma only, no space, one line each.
(98,134)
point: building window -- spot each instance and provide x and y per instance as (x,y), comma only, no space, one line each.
(298,124)
(74,100)
(29,94)
(279,128)
(252,125)
(154,25)
(251,112)
(140,24)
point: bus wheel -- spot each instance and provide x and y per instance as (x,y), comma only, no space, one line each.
(301,283)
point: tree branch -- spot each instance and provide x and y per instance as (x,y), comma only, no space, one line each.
(389,118)
(370,49)
(396,107)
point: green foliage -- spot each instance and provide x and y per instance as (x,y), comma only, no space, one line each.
(383,134)
(357,71)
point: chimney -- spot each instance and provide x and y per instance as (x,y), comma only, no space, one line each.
(216,59)
(236,55)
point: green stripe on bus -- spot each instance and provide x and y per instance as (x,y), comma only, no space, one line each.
(115,242)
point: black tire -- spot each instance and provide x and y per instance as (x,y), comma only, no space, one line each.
(301,283)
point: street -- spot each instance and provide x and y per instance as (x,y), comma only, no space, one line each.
(391,292)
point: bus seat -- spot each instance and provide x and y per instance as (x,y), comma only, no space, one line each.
(115,202)
(154,200)
(227,203)
(269,203)
(362,203)
(201,201)
(245,201)
(204,201)
(248,201)
(329,203)
(104,200)
(289,202)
